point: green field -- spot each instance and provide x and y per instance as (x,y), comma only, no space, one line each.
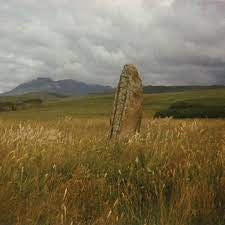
(55,107)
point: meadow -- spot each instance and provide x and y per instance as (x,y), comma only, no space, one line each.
(100,106)
(57,166)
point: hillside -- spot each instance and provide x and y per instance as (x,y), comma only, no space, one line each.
(101,105)
(69,87)
(167,89)
(66,87)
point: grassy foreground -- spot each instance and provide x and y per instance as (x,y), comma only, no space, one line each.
(64,172)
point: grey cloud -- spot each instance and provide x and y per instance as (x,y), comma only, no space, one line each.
(171,41)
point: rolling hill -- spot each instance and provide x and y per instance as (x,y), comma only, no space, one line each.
(66,87)
(69,87)
(149,89)
(55,107)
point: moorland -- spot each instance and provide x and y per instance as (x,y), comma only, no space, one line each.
(57,167)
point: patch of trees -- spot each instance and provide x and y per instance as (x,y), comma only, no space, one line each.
(8,106)
(184,109)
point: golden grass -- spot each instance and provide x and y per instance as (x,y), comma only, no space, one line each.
(63,172)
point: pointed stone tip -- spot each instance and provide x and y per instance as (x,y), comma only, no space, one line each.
(132,70)
(130,66)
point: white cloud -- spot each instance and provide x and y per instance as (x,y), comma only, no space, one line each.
(171,41)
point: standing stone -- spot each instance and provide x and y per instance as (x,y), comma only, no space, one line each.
(128,104)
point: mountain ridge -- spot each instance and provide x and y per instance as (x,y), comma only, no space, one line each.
(70,87)
(67,87)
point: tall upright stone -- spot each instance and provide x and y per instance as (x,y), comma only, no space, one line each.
(128,104)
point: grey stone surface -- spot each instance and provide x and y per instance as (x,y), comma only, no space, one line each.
(128,104)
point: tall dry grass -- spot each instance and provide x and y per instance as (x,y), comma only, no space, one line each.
(64,172)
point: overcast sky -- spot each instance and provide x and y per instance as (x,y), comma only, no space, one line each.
(172,42)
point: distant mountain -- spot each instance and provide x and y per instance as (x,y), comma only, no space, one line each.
(166,89)
(66,87)
(71,87)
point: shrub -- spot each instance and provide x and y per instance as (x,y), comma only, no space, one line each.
(192,110)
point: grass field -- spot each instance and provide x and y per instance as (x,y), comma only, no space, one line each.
(57,167)
(64,172)
(100,106)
